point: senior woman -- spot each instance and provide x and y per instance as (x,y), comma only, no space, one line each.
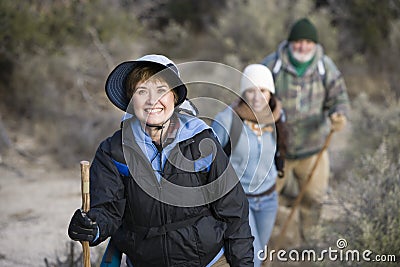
(162,186)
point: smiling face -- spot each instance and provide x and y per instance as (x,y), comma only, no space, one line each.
(153,101)
(302,50)
(257,98)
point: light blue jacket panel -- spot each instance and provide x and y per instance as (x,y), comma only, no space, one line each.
(189,126)
(253,156)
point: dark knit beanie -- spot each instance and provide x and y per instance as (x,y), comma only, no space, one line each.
(303,29)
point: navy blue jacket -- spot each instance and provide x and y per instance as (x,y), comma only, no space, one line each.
(153,231)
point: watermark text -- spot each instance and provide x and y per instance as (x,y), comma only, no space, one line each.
(338,253)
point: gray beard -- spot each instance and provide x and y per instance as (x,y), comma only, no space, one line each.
(301,57)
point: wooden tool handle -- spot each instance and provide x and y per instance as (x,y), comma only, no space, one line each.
(303,190)
(85,206)
(85,185)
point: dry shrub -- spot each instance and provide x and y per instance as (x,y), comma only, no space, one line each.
(74,138)
(250,30)
(55,58)
(370,200)
(73,256)
(61,103)
(373,123)
(370,194)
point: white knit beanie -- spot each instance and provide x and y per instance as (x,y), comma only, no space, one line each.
(257,76)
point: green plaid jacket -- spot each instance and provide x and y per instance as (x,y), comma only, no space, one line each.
(309,100)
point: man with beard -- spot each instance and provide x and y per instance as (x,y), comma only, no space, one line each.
(314,96)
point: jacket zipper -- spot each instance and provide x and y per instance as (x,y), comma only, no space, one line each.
(162,210)
(163,214)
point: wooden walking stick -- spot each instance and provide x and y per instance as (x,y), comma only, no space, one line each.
(303,190)
(85,206)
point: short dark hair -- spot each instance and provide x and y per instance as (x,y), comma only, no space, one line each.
(143,73)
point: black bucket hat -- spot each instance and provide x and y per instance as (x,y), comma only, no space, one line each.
(115,84)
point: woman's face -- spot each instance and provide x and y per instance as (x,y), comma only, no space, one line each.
(302,50)
(257,98)
(153,101)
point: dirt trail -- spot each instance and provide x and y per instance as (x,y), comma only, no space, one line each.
(36,204)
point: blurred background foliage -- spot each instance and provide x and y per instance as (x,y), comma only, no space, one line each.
(56,54)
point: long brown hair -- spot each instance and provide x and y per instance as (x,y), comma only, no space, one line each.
(281,128)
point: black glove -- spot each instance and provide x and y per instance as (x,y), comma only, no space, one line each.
(82,228)
(280,164)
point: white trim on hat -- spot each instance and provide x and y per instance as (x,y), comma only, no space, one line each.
(115,84)
(257,76)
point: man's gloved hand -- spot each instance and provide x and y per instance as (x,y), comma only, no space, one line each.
(338,121)
(82,228)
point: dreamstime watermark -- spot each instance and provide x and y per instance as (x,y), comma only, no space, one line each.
(339,253)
